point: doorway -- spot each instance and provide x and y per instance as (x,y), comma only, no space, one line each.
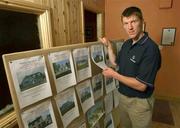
(90,26)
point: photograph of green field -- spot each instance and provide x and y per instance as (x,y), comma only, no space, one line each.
(82,62)
(62,68)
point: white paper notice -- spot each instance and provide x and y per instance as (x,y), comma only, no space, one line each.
(82,63)
(40,116)
(97,55)
(67,104)
(108,102)
(63,67)
(109,84)
(116,99)
(30,79)
(97,85)
(85,94)
(168,36)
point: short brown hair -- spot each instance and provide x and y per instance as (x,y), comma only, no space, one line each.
(132,11)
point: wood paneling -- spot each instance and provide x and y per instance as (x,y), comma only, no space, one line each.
(58,22)
(67,21)
(73,16)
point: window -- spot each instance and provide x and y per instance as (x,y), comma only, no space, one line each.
(23,27)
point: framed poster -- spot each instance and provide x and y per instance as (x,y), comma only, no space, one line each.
(168,36)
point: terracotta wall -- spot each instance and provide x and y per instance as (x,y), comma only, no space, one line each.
(94,5)
(168,80)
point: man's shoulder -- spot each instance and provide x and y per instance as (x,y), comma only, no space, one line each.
(151,47)
(151,43)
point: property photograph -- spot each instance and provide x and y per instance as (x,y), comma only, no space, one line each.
(41,121)
(82,62)
(62,68)
(85,94)
(67,106)
(36,78)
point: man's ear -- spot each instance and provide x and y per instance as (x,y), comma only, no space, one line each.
(144,26)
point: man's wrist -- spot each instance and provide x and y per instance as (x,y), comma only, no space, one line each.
(109,46)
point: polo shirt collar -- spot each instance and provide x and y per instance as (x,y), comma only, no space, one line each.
(143,39)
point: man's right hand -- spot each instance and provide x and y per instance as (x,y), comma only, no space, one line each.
(105,41)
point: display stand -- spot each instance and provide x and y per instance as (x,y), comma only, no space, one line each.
(36,67)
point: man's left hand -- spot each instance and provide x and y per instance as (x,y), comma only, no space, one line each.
(108,72)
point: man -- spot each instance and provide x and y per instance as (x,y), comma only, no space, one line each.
(138,62)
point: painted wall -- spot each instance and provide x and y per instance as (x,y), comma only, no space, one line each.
(94,5)
(168,79)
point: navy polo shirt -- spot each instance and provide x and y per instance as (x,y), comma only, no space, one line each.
(141,60)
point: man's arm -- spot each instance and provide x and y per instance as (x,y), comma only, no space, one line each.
(129,81)
(109,47)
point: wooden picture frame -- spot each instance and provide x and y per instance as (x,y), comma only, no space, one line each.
(165,4)
(168,36)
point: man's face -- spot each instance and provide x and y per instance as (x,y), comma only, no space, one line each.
(132,26)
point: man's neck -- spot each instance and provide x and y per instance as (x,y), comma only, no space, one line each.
(138,38)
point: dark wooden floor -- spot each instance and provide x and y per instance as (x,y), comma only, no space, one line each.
(175,109)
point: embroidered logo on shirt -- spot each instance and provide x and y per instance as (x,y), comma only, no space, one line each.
(133,59)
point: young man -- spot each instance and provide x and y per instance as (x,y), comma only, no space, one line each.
(138,61)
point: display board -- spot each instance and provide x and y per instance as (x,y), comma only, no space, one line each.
(62,87)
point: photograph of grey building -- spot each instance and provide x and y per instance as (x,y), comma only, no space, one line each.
(30,79)
(109,81)
(62,68)
(67,106)
(41,121)
(98,57)
(98,85)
